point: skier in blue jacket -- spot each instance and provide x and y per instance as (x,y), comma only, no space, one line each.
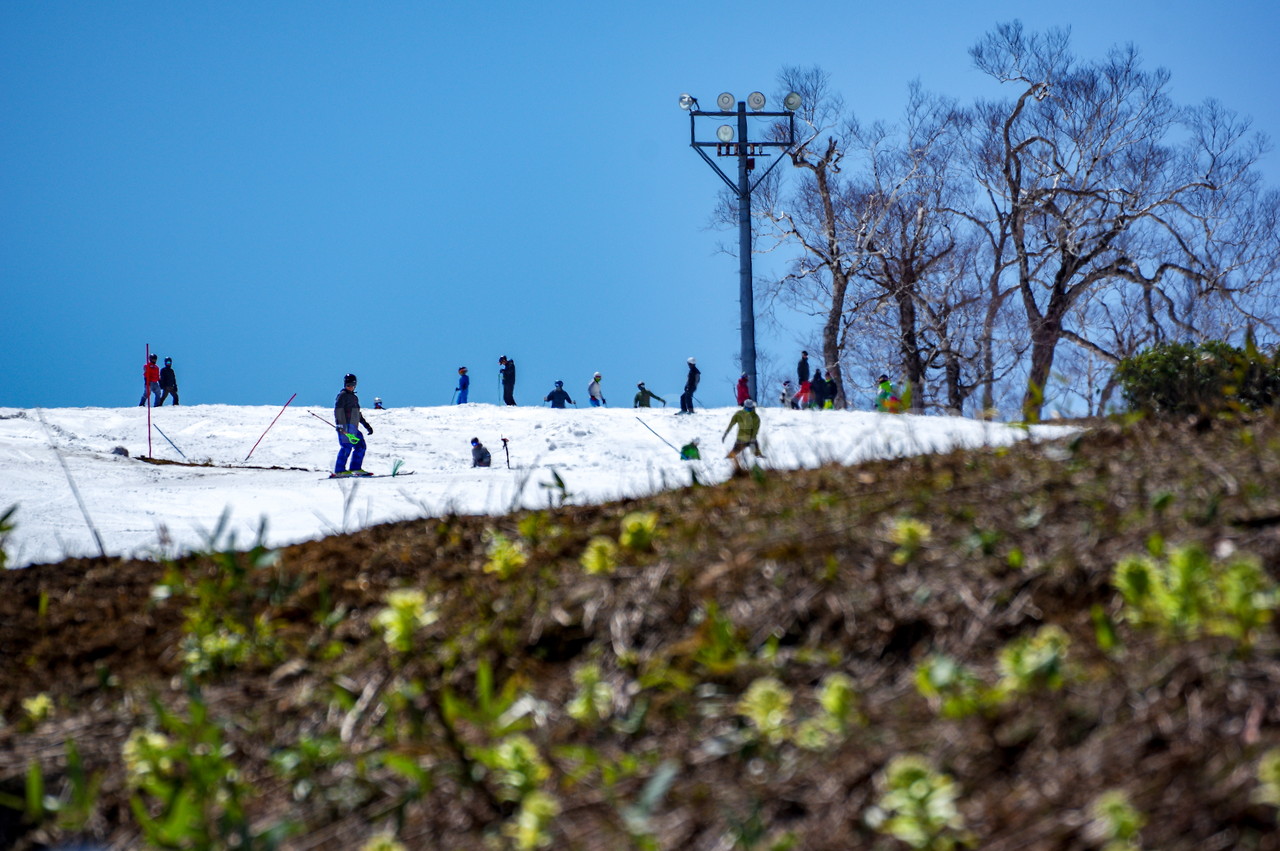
(464,383)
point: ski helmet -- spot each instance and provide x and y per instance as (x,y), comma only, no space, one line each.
(168,361)
(349,380)
(692,361)
(559,383)
(597,375)
(749,404)
(641,384)
(151,359)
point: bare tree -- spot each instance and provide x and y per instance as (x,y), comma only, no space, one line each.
(1094,186)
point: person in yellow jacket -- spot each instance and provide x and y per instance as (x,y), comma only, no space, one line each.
(748,423)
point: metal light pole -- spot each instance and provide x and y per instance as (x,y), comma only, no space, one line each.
(734,142)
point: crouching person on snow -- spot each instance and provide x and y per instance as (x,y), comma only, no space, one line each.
(748,423)
(480,456)
(346,413)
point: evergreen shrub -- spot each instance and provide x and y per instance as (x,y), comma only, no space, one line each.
(1204,378)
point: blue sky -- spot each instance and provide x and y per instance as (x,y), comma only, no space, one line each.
(277,193)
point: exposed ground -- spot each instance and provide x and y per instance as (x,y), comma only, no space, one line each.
(676,702)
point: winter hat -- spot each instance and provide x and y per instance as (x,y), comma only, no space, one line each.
(748,404)
(349,380)
(462,369)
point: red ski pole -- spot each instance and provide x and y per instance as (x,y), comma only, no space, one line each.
(146,394)
(273,422)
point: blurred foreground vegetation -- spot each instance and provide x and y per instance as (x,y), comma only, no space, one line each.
(1062,645)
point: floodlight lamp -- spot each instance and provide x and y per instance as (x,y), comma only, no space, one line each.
(688,101)
(792,101)
(755,100)
(725,132)
(726,101)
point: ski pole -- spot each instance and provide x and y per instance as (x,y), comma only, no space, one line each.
(171,443)
(506,450)
(322,419)
(146,394)
(273,422)
(655,434)
(454,396)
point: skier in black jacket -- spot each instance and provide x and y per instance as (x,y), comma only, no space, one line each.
(346,413)
(508,372)
(690,387)
(168,383)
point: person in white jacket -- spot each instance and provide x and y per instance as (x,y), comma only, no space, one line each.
(595,392)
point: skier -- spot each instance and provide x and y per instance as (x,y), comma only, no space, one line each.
(743,391)
(690,387)
(508,373)
(833,390)
(748,423)
(559,396)
(689,452)
(377,403)
(818,390)
(788,397)
(802,368)
(464,384)
(480,456)
(347,416)
(168,383)
(644,395)
(151,381)
(887,400)
(594,391)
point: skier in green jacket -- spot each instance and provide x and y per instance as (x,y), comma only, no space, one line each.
(645,395)
(887,400)
(748,423)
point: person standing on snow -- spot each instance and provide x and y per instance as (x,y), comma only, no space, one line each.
(802,368)
(833,390)
(168,383)
(743,391)
(508,373)
(690,387)
(480,456)
(788,396)
(347,416)
(818,390)
(887,400)
(151,381)
(464,384)
(643,397)
(748,423)
(595,392)
(559,396)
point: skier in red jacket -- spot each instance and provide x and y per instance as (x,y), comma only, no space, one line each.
(151,376)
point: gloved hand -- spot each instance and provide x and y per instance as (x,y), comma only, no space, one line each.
(368,428)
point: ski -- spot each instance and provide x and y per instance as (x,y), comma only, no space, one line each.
(373,475)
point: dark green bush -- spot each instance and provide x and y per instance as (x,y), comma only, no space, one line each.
(1206,378)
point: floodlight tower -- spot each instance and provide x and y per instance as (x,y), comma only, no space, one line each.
(732,141)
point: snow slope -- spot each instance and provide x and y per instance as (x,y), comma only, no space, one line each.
(148,510)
